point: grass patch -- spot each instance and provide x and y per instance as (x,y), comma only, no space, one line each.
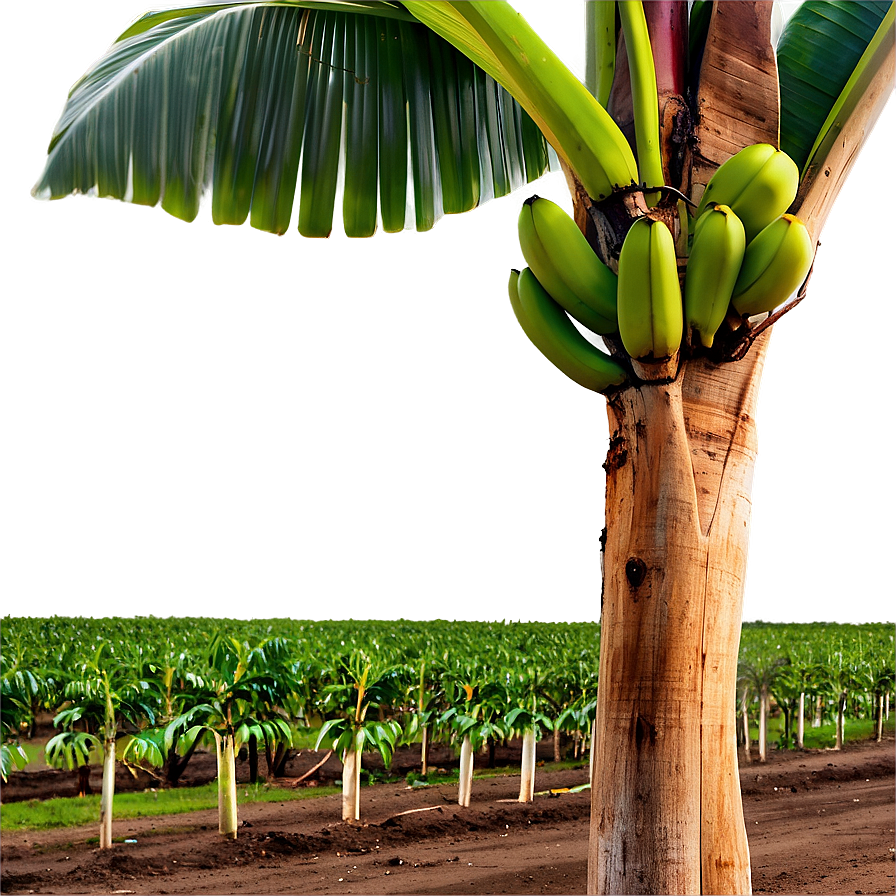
(41,815)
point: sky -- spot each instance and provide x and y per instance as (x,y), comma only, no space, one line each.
(219,422)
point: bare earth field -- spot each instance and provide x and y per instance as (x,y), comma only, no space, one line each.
(819,823)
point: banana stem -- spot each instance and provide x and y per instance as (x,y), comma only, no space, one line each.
(600,48)
(645,102)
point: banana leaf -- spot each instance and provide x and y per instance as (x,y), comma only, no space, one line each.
(358,102)
(826,53)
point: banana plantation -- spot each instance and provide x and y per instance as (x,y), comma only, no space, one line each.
(148,692)
(703,155)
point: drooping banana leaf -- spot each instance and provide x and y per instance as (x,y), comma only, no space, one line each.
(825,50)
(245,100)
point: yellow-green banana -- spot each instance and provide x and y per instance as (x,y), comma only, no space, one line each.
(566,266)
(758,184)
(649,298)
(500,41)
(774,265)
(645,105)
(556,337)
(713,266)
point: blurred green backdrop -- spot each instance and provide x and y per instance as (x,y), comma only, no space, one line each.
(200,420)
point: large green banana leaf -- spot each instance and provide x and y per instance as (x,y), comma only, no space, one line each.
(824,55)
(248,99)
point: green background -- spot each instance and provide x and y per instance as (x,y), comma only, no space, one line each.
(200,420)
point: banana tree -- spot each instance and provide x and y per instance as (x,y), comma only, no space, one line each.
(107,709)
(476,707)
(239,677)
(759,677)
(528,722)
(424,694)
(434,106)
(358,684)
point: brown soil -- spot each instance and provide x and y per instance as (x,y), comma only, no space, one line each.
(819,823)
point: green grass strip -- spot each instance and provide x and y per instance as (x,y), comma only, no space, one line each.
(42,815)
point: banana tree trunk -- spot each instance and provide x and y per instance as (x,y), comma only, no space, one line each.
(465,784)
(745,726)
(880,718)
(667,814)
(801,722)
(424,751)
(592,750)
(351,785)
(527,767)
(841,720)
(108,791)
(227,813)
(763,726)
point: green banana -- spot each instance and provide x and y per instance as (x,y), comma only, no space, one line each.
(649,300)
(556,337)
(774,265)
(500,41)
(566,266)
(758,183)
(713,267)
(644,95)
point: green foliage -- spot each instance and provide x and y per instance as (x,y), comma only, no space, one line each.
(281,677)
(12,756)
(818,54)
(257,119)
(71,749)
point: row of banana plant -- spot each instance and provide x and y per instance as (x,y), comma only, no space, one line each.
(149,692)
(813,674)
(152,707)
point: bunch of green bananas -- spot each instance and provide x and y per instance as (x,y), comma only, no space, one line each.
(564,279)
(746,251)
(747,254)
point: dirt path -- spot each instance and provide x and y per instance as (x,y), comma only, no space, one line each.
(818,823)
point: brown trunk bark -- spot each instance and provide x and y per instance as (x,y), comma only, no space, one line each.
(666,809)
(667,814)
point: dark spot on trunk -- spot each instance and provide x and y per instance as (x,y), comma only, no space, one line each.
(635,571)
(645,732)
(617,455)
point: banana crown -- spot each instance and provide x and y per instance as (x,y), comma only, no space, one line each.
(747,254)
